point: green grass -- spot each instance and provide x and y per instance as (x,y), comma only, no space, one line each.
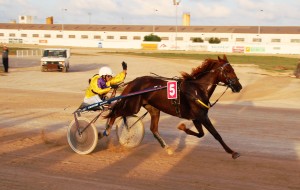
(271,63)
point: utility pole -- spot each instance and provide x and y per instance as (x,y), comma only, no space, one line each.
(63,18)
(260,11)
(176,3)
(155,10)
(89,17)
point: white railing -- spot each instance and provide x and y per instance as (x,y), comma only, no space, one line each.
(29,52)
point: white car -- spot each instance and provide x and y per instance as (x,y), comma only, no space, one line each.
(55,59)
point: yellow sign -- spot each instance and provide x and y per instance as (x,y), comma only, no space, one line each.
(247,49)
(149,46)
(43,41)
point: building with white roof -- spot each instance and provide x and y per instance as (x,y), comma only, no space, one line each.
(246,39)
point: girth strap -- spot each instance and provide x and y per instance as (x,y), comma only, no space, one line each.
(176,102)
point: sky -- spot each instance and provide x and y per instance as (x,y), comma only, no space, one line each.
(156,12)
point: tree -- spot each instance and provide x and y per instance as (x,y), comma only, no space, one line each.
(152,38)
(214,40)
(199,40)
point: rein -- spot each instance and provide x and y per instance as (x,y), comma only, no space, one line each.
(165,78)
(211,105)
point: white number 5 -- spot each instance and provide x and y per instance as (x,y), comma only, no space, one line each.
(172,89)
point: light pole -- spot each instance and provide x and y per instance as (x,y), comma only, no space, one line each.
(89,17)
(176,3)
(63,18)
(260,11)
(155,10)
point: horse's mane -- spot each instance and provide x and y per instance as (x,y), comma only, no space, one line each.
(206,65)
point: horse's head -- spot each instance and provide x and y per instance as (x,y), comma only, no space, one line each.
(222,70)
(227,75)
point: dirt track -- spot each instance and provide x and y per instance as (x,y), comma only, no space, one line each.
(262,123)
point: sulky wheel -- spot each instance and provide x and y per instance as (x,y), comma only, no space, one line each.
(85,142)
(131,135)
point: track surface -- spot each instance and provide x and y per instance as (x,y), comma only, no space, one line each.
(261,123)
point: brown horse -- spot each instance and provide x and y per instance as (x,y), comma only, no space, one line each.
(194,92)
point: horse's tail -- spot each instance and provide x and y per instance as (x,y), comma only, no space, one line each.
(125,107)
(114,109)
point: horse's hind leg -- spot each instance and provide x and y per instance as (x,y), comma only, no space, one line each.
(155,114)
(118,111)
(198,126)
(108,126)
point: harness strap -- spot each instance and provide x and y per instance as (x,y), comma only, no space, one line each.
(209,105)
(203,104)
(176,102)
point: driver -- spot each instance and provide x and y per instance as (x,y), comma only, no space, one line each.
(100,85)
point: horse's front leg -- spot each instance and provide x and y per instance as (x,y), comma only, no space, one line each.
(155,114)
(198,126)
(209,126)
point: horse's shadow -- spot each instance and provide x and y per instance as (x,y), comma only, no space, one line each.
(182,143)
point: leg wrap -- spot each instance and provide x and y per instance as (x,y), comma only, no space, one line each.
(160,140)
(107,130)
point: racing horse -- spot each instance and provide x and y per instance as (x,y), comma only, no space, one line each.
(194,92)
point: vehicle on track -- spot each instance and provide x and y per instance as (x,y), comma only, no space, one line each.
(55,59)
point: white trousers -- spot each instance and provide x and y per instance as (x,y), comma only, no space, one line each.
(92,100)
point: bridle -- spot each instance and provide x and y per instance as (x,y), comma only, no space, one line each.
(229,83)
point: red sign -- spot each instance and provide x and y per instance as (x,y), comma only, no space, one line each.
(238,49)
(172,89)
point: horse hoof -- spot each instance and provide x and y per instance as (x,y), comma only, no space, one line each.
(235,155)
(169,151)
(100,135)
(181,127)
